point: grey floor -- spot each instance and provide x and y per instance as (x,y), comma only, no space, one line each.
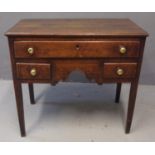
(76,112)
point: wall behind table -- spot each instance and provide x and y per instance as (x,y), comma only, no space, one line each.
(145,20)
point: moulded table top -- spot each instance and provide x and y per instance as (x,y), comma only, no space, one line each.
(76,27)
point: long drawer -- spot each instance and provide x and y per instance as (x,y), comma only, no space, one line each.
(76,49)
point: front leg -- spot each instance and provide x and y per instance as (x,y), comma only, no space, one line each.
(20,108)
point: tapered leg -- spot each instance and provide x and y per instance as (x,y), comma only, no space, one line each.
(31,93)
(20,108)
(131,105)
(118,91)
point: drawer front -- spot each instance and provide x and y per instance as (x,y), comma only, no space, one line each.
(120,70)
(72,49)
(33,71)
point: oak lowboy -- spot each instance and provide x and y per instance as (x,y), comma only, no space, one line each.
(47,51)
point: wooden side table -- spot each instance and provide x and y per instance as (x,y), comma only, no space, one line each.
(47,51)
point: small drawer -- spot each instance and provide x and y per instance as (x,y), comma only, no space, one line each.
(33,71)
(76,49)
(120,70)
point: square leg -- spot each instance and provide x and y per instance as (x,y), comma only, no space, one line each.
(131,105)
(20,108)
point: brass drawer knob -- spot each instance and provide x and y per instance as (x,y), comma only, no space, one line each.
(120,72)
(122,50)
(30,51)
(33,72)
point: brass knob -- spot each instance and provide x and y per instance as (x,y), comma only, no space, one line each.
(120,72)
(33,72)
(30,51)
(122,50)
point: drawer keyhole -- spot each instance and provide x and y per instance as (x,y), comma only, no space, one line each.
(78,47)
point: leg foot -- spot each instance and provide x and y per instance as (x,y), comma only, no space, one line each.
(128,126)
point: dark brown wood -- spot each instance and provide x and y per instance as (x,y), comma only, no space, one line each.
(24,69)
(118,92)
(76,27)
(18,91)
(131,105)
(129,69)
(92,69)
(75,49)
(31,93)
(91,46)
(133,91)
(20,108)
